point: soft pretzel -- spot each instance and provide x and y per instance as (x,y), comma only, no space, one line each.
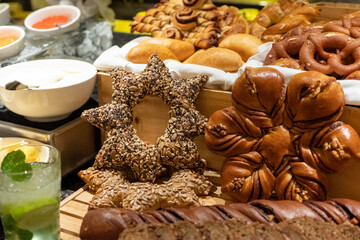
(349,24)
(300,16)
(271,15)
(354,75)
(343,47)
(288,63)
(288,48)
(231,22)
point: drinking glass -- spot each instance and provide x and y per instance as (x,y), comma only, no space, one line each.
(30,192)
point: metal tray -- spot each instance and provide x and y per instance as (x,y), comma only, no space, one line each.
(77,140)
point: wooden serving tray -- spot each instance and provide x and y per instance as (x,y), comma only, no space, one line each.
(74,207)
(151,118)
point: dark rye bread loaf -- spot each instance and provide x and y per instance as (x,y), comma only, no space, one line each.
(233,229)
(108,223)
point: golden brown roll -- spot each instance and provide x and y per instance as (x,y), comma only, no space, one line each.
(215,57)
(244,44)
(255,98)
(181,49)
(141,53)
(333,148)
(288,63)
(355,75)
(299,181)
(313,100)
(246,178)
(224,131)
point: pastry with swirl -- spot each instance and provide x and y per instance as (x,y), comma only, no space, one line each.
(197,21)
(280,137)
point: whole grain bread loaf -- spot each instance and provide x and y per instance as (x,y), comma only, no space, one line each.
(233,229)
(109,223)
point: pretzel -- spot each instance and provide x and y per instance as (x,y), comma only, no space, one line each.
(286,48)
(300,16)
(343,47)
(316,27)
(288,63)
(355,75)
(349,24)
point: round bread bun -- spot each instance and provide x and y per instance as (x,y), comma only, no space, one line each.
(181,49)
(244,44)
(142,52)
(216,57)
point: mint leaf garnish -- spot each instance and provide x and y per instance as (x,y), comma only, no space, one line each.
(24,234)
(14,162)
(10,224)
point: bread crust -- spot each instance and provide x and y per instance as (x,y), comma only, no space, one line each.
(244,44)
(142,52)
(216,57)
(181,49)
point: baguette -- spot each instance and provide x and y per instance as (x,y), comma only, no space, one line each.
(142,52)
(181,49)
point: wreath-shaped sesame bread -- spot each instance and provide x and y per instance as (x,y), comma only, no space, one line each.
(124,153)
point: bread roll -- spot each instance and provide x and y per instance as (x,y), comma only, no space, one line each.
(221,58)
(181,49)
(141,53)
(244,44)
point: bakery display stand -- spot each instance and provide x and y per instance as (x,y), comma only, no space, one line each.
(151,117)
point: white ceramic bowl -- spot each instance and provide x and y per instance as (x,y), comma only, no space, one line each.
(64,86)
(15,47)
(73,13)
(4,13)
